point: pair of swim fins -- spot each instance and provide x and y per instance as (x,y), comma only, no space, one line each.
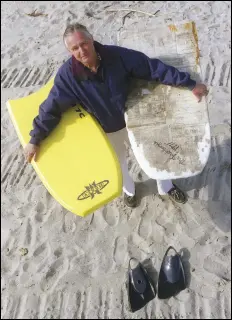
(141,288)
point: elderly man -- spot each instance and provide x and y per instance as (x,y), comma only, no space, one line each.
(96,77)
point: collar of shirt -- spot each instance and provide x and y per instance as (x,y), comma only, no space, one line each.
(81,73)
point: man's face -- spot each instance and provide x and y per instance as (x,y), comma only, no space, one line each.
(81,47)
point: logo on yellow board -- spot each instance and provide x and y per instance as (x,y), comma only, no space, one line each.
(93,189)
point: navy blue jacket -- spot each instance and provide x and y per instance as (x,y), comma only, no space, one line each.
(103,94)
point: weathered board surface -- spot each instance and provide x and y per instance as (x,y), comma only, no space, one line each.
(168,129)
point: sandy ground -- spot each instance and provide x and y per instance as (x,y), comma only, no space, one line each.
(75,267)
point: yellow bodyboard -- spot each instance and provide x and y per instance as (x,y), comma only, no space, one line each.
(76,162)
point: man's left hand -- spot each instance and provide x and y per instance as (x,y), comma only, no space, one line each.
(199,91)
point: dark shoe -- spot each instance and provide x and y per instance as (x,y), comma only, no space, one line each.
(177,195)
(130,201)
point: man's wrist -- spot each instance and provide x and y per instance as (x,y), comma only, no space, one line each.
(35,141)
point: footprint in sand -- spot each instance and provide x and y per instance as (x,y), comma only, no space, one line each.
(74,305)
(110,215)
(54,274)
(120,250)
(41,256)
(28,233)
(40,249)
(226,251)
(69,224)
(145,225)
(216,267)
(133,246)
(25,267)
(58,252)
(39,211)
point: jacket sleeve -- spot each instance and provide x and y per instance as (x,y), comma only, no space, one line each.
(60,98)
(138,65)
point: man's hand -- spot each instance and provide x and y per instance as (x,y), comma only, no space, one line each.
(199,91)
(30,151)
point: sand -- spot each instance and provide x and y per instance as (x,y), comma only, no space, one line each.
(56,265)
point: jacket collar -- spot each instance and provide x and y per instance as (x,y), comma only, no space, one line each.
(81,73)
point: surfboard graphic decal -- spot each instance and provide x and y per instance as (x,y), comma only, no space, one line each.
(93,189)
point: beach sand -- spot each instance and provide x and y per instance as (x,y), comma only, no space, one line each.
(56,265)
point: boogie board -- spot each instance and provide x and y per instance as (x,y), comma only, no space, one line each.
(170,138)
(168,129)
(76,162)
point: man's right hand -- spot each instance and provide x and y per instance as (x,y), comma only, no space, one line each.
(30,151)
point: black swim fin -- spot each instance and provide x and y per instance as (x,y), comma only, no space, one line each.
(139,287)
(171,277)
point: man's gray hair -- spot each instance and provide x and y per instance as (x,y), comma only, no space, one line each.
(74,27)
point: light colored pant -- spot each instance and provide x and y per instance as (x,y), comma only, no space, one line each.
(118,140)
